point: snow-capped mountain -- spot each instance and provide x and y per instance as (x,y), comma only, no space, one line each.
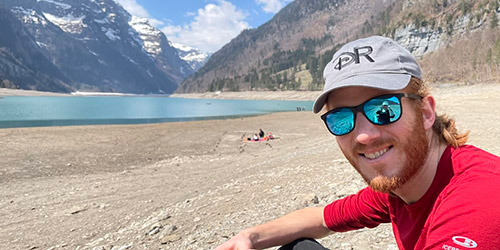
(156,44)
(96,45)
(194,57)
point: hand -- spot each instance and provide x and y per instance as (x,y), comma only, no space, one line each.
(238,242)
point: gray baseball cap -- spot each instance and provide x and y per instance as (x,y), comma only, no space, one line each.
(376,62)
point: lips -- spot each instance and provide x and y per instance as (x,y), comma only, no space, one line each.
(375,155)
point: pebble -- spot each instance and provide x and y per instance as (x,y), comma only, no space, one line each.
(76,209)
(169,229)
(309,199)
(170,238)
(129,246)
(154,231)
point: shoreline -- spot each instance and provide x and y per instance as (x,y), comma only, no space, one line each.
(244,95)
(288,95)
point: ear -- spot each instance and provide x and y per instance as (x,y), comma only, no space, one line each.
(428,111)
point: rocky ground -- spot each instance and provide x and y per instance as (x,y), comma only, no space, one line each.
(189,185)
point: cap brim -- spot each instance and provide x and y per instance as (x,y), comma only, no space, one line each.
(387,81)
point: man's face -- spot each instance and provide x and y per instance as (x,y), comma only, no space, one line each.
(386,156)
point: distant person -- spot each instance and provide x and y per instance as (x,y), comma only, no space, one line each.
(437,192)
(270,136)
(255,137)
(261,133)
(385,113)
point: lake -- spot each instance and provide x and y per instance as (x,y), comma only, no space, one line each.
(34,111)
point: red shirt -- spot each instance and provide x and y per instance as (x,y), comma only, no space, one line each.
(460,210)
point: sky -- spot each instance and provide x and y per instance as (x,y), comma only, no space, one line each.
(204,24)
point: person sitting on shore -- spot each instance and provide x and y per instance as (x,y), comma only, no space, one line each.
(261,133)
(255,137)
(270,136)
(437,192)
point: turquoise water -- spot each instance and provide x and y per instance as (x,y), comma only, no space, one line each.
(22,111)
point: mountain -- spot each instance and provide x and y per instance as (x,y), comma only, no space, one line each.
(20,60)
(95,45)
(291,50)
(156,44)
(194,57)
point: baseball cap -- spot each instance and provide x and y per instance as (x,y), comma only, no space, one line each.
(376,62)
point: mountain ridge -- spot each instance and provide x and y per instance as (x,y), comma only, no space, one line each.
(193,56)
(290,51)
(96,48)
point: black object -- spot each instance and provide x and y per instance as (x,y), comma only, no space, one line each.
(303,244)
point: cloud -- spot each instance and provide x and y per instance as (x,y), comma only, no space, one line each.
(133,8)
(272,6)
(212,27)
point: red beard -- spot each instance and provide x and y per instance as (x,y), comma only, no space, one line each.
(415,147)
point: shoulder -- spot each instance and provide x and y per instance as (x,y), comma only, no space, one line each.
(469,158)
(469,206)
(476,179)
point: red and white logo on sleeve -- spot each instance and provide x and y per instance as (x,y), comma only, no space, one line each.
(464,242)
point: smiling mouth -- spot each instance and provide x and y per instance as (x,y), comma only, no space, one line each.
(375,155)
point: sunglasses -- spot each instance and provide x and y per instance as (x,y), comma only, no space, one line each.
(379,110)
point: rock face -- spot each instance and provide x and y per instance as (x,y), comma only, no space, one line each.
(97,46)
(420,41)
(424,40)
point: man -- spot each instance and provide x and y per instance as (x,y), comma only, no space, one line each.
(437,192)
(385,113)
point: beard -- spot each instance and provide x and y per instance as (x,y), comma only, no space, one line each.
(415,147)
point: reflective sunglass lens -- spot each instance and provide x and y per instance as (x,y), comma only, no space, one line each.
(341,121)
(383,110)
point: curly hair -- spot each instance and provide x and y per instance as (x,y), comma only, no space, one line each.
(444,125)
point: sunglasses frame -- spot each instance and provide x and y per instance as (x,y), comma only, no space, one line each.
(356,109)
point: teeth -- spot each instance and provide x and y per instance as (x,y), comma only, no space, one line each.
(376,154)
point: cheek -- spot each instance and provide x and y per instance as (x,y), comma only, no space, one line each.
(345,143)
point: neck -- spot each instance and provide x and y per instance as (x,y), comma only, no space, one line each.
(418,185)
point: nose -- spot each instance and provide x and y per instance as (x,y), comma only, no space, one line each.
(364,131)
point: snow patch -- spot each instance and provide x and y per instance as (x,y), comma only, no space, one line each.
(149,36)
(40,44)
(30,16)
(101,21)
(132,61)
(194,57)
(68,23)
(112,17)
(181,46)
(111,33)
(62,5)
(190,53)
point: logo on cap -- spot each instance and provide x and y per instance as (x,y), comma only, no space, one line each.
(347,58)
